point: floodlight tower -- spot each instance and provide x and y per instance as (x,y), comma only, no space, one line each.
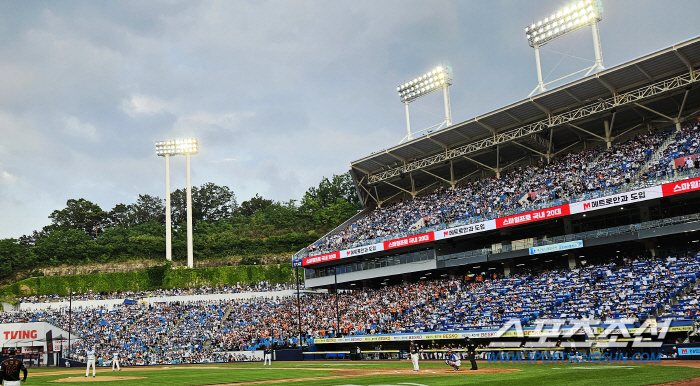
(428,83)
(166,149)
(568,19)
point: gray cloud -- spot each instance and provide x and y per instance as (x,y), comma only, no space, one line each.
(280,93)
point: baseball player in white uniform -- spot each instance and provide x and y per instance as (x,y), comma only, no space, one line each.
(115,361)
(90,355)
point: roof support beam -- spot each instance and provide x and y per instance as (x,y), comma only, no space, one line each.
(685,97)
(426,187)
(691,114)
(528,148)
(395,156)
(539,106)
(570,146)
(684,60)
(586,131)
(627,131)
(360,169)
(607,85)
(467,176)
(376,199)
(485,126)
(514,117)
(389,183)
(643,72)
(514,162)
(654,111)
(444,146)
(573,96)
(388,198)
(436,176)
(478,163)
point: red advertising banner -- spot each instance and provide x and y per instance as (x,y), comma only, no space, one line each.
(538,215)
(321,258)
(679,187)
(410,240)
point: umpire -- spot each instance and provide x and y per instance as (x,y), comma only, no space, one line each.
(10,368)
(471,350)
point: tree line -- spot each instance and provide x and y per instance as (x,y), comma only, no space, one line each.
(83,232)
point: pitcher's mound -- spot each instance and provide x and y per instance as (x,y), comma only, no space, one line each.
(102,378)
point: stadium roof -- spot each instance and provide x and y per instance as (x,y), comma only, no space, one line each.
(654,89)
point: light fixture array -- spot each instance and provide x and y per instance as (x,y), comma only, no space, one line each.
(431,81)
(177,146)
(568,19)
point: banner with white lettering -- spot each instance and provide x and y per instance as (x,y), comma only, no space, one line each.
(361,250)
(410,240)
(321,258)
(681,187)
(30,334)
(556,247)
(465,230)
(617,199)
(538,215)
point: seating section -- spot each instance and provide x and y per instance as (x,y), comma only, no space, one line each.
(204,331)
(684,143)
(573,176)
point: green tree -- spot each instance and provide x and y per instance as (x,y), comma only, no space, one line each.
(249,207)
(148,208)
(15,256)
(211,202)
(70,246)
(329,191)
(80,214)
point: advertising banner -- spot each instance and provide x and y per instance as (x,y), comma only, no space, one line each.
(681,187)
(410,240)
(465,230)
(617,199)
(362,250)
(688,351)
(523,218)
(538,215)
(556,247)
(321,258)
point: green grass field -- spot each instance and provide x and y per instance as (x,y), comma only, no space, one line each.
(371,373)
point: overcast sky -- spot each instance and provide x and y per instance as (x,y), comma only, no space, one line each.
(279,93)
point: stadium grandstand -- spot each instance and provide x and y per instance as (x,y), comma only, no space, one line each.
(608,160)
(575,204)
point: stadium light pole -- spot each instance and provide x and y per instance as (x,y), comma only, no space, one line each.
(165,149)
(337,309)
(299,307)
(70,318)
(428,83)
(571,18)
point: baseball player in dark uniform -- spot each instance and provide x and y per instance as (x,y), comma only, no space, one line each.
(268,356)
(10,368)
(471,351)
(415,354)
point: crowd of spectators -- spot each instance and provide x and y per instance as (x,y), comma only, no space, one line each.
(684,143)
(570,176)
(262,286)
(215,331)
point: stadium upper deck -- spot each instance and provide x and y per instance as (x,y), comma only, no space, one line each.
(654,91)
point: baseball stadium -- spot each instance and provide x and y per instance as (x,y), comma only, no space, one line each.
(552,241)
